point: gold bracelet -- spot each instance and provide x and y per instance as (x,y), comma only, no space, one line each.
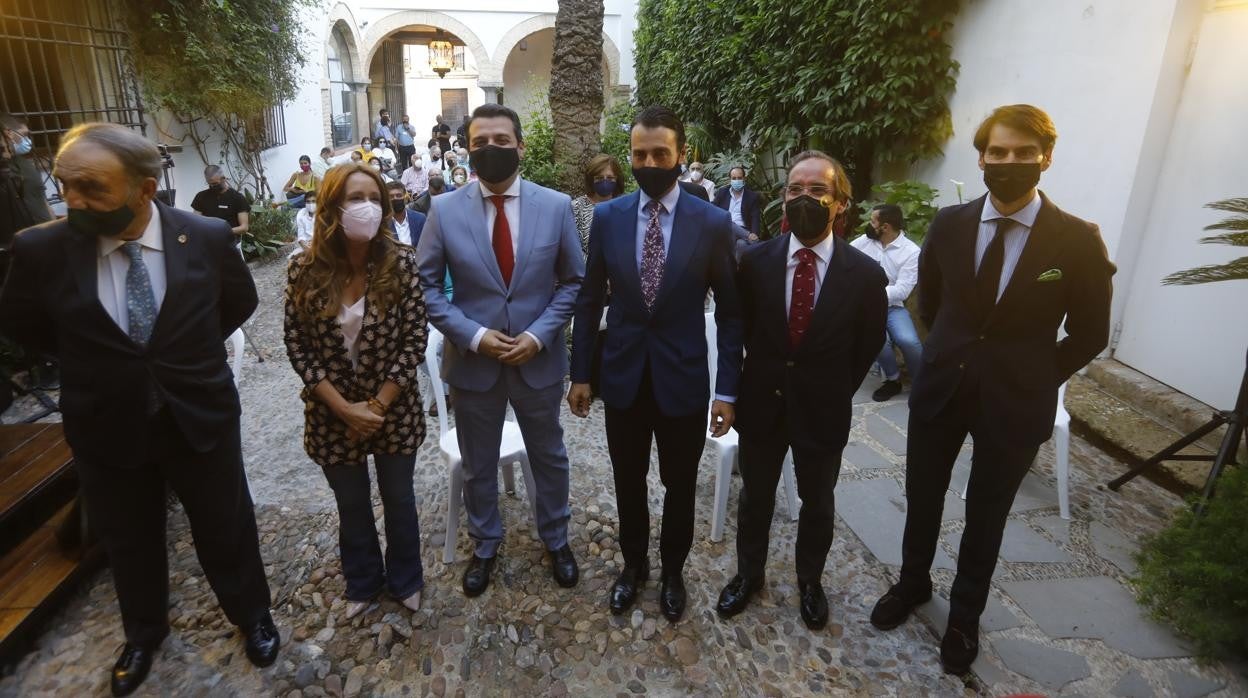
(376,404)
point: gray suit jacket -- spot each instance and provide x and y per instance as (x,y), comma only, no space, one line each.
(544,283)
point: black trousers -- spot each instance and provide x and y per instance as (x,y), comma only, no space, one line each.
(405,153)
(680,441)
(761,461)
(126,507)
(997,470)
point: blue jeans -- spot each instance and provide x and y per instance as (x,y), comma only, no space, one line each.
(901,333)
(402,573)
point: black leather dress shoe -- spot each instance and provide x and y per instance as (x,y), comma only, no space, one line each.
(959,648)
(262,641)
(131,668)
(895,606)
(672,597)
(563,564)
(477,576)
(736,596)
(626,586)
(814,605)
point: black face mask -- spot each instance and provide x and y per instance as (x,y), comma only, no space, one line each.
(656,181)
(1010,181)
(216,187)
(495,164)
(396,205)
(105,224)
(807,217)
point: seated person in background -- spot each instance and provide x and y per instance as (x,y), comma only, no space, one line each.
(437,185)
(357,156)
(697,175)
(378,165)
(741,203)
(459,176)
(383,152)
(405,223)
(304,220)
(365,150)
(416,177)
(887,244)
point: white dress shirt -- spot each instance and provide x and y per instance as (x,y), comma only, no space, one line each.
(403,228)
(511,209)
(1015,237)
(112,266)
(823,254)
(351,320)
(900,260)
(735,199)
(304,221)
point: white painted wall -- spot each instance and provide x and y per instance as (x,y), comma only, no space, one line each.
(1193,338)
(526,74)
(1092,65)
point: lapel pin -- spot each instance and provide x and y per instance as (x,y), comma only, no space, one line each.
(182,238)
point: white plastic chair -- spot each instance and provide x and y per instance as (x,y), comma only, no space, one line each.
(236,364)
(1061,448)
(511,450)
(725,447)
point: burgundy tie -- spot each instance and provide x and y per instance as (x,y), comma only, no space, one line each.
(501,241)
(802,303)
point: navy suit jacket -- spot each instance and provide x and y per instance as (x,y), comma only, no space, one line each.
(751,213)
(671,339)
(415,225)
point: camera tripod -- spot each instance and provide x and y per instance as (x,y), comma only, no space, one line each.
(1236,422)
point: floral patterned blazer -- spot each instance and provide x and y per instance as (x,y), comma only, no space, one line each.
(391,345)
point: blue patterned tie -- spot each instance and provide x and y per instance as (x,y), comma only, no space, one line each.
(652,256)
(140,300)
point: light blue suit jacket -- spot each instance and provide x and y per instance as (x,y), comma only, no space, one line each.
(544,283)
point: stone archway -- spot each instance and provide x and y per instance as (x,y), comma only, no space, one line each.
(341,19)
(610,52)
(490,75)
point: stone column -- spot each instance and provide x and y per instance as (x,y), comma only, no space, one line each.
(491,92)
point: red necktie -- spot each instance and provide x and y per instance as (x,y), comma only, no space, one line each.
(501,241)
(802,302)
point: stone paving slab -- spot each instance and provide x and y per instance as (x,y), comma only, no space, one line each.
(1047,666)
(863,456)
(1188,686)
(1133,685)
(1094,607)
(875,510)
(1021,544)
(1113,546)
(884,432)
(996,616)
(896,412)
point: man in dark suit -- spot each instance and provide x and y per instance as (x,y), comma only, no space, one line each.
(661,250)
(136,300)
(694,190)
(741,203)
(814,312)
(997,277)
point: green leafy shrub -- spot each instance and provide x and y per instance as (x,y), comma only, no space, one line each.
(539,164)
(916,200)
(268,231)
(1194,573)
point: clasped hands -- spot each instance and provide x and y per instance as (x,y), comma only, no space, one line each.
(722,413)
(512,351)
(362,419)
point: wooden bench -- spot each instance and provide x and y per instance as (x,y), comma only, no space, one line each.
(37,490)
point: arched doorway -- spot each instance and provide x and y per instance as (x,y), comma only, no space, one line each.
(340,72)
(525,54)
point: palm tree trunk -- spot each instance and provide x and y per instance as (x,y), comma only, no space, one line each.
(576,89)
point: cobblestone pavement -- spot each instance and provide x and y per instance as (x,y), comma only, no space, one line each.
(525,637)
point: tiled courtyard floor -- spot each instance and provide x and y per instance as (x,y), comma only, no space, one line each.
(1061,620)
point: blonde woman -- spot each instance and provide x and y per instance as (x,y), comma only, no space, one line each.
(355,333)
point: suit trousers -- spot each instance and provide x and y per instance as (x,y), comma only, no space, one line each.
(479,423)
(997,470)
(126,506)
(680,441)
(761,462)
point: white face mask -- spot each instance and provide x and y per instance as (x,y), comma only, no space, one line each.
(360,220)
(311,208)
(696,175)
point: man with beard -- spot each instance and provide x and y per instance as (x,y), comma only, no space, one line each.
(814,311)
(514,252)
(660,250)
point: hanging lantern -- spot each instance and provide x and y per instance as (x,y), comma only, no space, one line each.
(441,57)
